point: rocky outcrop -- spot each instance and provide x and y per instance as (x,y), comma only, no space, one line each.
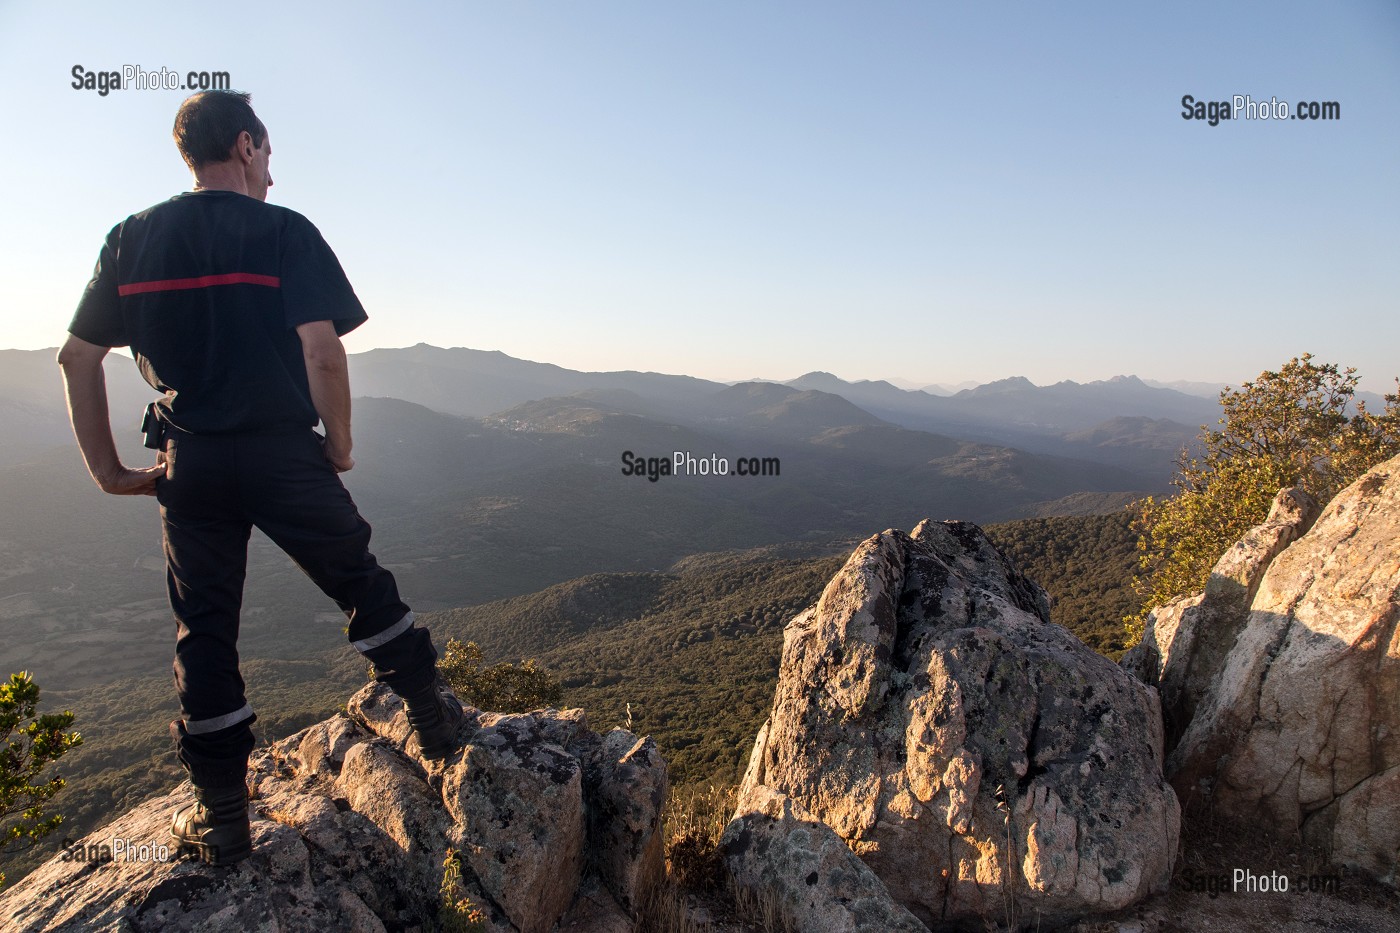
(821,886)
(976,757)
(1300,731)
(551,824)
(1185,643)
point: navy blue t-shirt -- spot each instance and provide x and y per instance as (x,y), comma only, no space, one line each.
(208,289)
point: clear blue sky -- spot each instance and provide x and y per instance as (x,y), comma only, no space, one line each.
(930,191)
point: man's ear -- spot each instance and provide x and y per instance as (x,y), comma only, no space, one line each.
(243,147)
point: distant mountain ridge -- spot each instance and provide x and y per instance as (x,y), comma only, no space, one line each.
(1010,412)
(475,383)
(1210,390)
(1067,419)
(1016,404)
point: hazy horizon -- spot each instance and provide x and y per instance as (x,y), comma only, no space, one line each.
(899,382)
(1367,385)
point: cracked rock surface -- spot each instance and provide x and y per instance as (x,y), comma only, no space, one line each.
(971,753)
(1299,731)
(824,887)
(556,827)
(1186,642)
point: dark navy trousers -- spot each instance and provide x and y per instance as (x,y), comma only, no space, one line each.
(218,488)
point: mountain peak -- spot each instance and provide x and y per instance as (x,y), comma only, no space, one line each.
(817,380)
(1001,386)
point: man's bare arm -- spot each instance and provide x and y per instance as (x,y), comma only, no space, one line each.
(329,376)
(86,386)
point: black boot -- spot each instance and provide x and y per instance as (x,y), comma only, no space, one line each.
(216,827)
(435,714)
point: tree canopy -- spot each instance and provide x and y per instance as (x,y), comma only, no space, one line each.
(1294,427)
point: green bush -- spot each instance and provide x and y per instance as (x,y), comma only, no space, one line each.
(32,743)
(500,687)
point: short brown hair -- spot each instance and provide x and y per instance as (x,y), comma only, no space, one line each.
(208,123)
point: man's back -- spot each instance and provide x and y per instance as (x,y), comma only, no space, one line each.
(207,289)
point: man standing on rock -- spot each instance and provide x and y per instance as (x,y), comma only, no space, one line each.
(234,309)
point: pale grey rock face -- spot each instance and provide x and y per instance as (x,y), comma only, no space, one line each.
(1301,731)
(351,830)
(968,750)
(1186,642)
(820,884)
(517,804)
(631,793)
(1161,658)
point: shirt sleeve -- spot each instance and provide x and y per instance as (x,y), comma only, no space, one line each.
(314,286)
(98,319)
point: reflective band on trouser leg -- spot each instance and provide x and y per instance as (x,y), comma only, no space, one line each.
(386,636)
(201,726)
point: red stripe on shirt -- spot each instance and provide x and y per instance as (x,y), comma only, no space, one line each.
(203,281)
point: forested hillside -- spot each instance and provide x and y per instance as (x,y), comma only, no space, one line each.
(695,664)
(1086,563)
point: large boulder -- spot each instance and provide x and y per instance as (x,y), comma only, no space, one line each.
(1300,731)
(980,759)
(550,825)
